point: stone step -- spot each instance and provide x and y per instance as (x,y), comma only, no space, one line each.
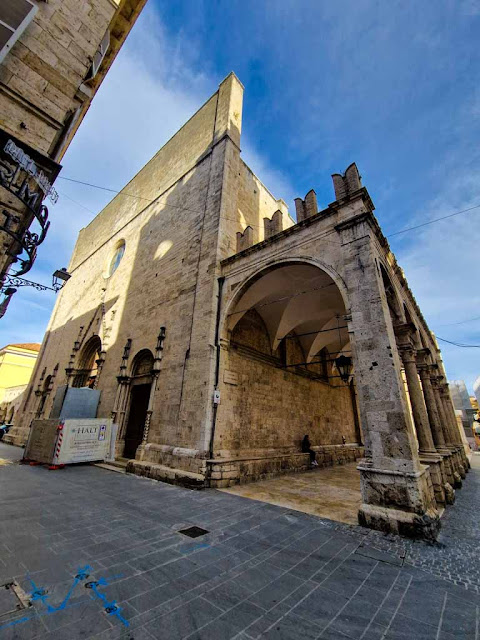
(111,467)
(167,474)
(119,462)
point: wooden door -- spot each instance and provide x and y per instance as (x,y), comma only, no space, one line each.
(139,396)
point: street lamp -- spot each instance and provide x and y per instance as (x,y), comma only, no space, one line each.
(344,367)
(60,276)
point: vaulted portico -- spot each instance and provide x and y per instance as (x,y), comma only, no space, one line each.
(283,332)
(290,306)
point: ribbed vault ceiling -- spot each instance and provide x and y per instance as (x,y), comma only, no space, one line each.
(297,299)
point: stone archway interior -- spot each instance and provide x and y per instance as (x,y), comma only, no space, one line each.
(300,300)
(285,330)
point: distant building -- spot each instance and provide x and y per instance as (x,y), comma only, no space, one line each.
(17,362)
(53,58)
(461,402)
(476,390)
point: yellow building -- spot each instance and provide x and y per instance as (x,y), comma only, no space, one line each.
(16,365)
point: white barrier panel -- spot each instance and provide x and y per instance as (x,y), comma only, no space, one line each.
(83,441)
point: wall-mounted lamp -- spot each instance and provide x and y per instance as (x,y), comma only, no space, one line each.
(344,366)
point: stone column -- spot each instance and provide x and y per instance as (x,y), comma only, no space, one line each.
(446,433)
(396,488)
(435,425)
(427,452)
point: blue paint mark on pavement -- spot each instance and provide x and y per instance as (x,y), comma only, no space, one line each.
(39,594)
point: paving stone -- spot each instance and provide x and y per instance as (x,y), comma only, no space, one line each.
(320,606)
(258,577)
(276,591)
(219,591)
(183,621)
(404,628)
(344,580)
(292,627)
(228,594)
(154,597)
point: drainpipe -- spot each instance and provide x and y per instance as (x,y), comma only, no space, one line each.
(217,377)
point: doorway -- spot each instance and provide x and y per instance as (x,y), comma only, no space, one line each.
(139,396)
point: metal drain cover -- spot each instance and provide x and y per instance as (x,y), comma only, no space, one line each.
(193,532)
(12,598)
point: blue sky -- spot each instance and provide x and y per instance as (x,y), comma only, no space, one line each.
(391,85)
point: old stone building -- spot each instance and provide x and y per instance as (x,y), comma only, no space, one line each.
(219,331)
(53,58)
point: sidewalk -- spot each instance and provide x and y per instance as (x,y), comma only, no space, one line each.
(101,556)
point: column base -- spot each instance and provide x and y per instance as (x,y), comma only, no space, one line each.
(450,461)
(434,462)
(403,523)
(16,436)
(401,502)
(463,460)
(449,493)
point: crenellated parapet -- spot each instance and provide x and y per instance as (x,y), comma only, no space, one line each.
(245,239)
(306,208)
(347,183)
(273,225)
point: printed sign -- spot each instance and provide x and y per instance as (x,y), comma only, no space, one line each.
(25,172)
(84,441)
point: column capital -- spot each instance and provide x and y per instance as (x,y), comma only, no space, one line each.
(404,334)
(422,362)
(407,353)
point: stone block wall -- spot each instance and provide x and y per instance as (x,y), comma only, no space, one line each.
(42,78)
(41,75)
(227,473)
(270,409)
(165,278)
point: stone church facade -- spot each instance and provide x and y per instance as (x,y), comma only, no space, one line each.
(219,332)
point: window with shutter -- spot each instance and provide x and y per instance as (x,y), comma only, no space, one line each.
(15,15)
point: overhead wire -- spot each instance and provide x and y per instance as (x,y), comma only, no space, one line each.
(389,235)
(457,344)
(131,195)
(451,324)
(424,224)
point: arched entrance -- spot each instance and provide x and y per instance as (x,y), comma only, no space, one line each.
(87,371)
(285,329)
(140,386)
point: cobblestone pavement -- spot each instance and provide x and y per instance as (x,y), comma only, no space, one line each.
(99,555)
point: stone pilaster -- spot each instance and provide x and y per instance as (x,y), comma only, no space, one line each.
(396,488)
